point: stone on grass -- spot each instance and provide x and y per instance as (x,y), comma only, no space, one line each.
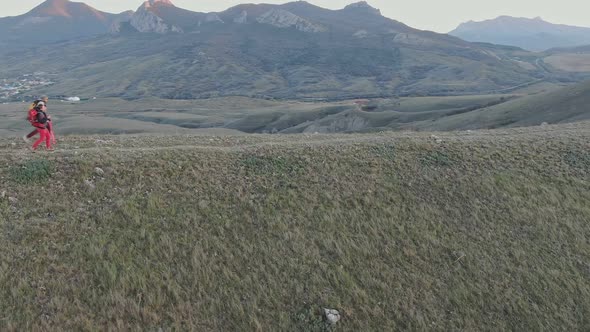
(436,138)
(332,315)
(98,171)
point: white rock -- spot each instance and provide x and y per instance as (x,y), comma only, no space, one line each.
(115,28)
(436,138)
(281,18)
(242,18)
(411,39)
(98,171)
(361,34)
(12,200)
(3,194)
(146,21)
(332,315)
(212,17)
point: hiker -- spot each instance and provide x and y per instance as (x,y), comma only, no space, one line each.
(26,138)
(40,120)
(30,117)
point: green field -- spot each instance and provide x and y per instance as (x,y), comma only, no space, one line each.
(482,230)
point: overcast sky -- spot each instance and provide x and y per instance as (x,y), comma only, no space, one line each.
(436,15)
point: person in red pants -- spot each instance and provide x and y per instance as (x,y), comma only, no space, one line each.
(39,121)
(31,119)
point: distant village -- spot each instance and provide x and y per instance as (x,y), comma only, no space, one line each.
(11,88)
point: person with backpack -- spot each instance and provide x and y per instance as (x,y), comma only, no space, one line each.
(26,138)
(39,119)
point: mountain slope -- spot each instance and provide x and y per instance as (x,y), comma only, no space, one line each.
(295,50)
(568,104)
(56,20)
(532,34)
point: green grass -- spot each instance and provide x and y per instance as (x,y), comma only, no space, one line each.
(283,165)
(484,231)
(31,171)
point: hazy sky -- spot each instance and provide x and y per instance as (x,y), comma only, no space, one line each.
(435,15)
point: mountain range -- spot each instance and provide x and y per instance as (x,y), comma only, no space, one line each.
(290,51)
(531,34)
(57,20)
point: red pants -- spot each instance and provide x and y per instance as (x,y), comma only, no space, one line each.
(45,136)
(51,133)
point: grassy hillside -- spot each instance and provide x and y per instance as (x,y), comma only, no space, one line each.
(567,104)
(459,231)
(570,62)
(236,114)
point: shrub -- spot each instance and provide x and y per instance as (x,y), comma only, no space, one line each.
(577,159)
(384,151)
(31,171)
(310,319)
(273,165)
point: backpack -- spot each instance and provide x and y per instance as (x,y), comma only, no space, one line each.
(41,117)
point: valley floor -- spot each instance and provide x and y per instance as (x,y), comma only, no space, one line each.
(470,230)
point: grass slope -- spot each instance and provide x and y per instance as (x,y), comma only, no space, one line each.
(568,104)
(476,231)
(229,115)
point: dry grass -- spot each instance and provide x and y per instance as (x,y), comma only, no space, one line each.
(570,62)
(485,230)
(228,115)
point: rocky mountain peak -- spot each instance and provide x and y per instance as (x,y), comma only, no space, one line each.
(151,3)
(146,18)
(364,7)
